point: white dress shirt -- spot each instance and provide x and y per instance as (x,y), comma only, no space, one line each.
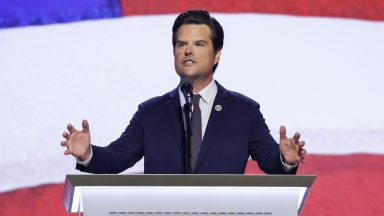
(208,95)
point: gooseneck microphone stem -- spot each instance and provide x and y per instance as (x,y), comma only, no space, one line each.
(188,132)
(186,87)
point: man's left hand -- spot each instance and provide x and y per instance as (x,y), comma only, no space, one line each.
(291,149)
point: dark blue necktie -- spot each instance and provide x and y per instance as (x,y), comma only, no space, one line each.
(196,137)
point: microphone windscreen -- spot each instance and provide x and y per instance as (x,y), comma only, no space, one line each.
(186,84)
(184,80)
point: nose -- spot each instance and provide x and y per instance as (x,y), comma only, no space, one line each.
(188,50)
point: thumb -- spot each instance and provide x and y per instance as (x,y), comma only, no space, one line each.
(283,132)
(85,126)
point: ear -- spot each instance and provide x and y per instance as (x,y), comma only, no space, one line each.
(217,56)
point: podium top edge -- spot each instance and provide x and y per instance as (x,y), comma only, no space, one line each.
(175,180)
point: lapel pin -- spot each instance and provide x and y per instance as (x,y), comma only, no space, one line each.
(218,108)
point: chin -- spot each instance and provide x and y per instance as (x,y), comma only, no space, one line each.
(186,73)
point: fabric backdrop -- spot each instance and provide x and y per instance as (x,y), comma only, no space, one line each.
(315,66)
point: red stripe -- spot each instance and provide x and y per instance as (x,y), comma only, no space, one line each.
(44,200)
(346,185)
(358,9)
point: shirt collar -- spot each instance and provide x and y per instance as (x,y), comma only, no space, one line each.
(207,94)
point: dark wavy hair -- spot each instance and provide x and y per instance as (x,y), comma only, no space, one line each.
(201,17)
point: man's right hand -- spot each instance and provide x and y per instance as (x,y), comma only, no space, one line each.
(78,142)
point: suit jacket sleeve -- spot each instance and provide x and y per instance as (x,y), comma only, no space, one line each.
(120,154)
(263,148)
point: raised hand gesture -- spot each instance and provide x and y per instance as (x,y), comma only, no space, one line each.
(291,149)
(78,142)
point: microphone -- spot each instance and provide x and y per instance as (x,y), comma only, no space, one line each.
(187,89)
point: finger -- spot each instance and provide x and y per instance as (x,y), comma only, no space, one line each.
(303,160)
(64,143)
(68,151)
(303,152)
(296,137)
(85,126)
(70,128)
(66,135)
(283,132)
(301,144)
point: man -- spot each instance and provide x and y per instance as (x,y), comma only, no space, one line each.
(227,127)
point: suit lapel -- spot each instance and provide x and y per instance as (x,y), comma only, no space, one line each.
(214,124)
(175,116)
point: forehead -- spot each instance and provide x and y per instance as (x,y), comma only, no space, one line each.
(193,32)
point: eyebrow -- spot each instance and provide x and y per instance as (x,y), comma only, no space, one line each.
(180,41)
(198,41)
(201,41)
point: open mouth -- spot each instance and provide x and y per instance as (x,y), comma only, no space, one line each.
(188,62)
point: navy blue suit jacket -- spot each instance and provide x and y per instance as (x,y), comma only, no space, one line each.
(156,132)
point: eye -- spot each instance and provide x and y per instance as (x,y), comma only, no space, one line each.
(180,44)
(200,44)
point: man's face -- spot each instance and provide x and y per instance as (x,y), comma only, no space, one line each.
(194,53)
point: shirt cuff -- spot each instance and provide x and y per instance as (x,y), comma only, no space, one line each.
(85,162)
(287,167)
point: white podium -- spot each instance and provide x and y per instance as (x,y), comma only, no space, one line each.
(186,195)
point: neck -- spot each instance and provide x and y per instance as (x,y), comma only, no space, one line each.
(198,85)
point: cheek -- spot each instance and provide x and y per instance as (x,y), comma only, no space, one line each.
(176,60)
(177,55)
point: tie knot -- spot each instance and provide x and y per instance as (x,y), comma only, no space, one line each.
(196,100)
